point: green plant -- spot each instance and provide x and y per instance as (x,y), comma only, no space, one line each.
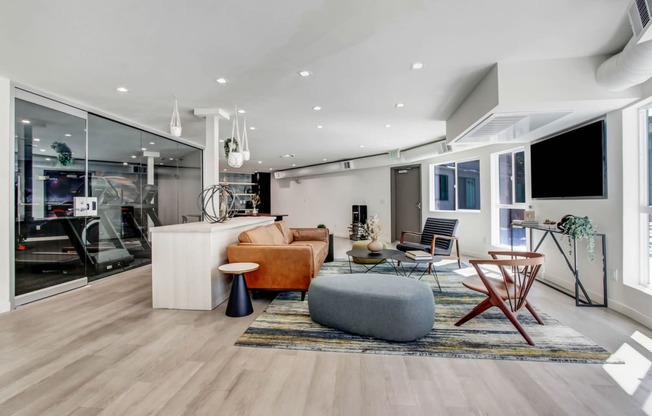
(227,146)
(321,226)
(64,154)
(579,228)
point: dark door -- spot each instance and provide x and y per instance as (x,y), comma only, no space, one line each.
(406,200)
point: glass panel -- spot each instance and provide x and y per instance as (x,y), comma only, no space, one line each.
(49,174)
(445,187)
(519,177)
(505,178)
(509,235)
(468,194)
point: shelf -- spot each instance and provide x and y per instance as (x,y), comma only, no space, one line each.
(241,183)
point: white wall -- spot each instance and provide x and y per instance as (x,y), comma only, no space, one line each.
(328,199)
(6,195)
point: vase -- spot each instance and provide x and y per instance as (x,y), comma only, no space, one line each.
(375,245)
(254,211)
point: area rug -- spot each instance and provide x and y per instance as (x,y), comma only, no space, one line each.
(286,324)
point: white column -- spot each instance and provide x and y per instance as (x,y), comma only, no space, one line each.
(212,146)
(7,223)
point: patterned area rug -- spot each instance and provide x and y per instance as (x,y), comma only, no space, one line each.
(286,324)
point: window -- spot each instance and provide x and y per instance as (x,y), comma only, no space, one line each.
(456,186)
(646,225)
(510,195)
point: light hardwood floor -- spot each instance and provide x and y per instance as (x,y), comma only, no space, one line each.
(104,350)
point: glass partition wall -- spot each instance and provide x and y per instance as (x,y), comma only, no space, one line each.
(88,190)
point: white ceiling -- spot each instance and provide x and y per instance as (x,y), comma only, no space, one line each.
(358,51)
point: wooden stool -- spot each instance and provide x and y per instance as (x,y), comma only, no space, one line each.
(239,301)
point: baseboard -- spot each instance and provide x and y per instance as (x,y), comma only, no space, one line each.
(631,313)
(5,307)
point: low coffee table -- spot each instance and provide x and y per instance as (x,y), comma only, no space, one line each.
(402,258)
(384,256)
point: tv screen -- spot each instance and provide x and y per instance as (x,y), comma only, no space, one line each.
(570,165)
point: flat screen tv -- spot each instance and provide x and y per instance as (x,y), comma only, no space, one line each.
(570,165)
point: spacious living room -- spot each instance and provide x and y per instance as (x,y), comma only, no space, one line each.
(326,208)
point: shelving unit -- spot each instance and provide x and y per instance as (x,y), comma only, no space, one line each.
(245,185)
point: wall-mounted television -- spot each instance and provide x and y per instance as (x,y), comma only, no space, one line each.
(570,165)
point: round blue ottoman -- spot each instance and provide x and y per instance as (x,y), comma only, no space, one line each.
(382,306)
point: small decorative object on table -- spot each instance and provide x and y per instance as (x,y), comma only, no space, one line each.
(255,200)
(372,228)
(550,223)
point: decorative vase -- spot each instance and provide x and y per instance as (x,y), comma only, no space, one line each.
(375,245)
(254,211)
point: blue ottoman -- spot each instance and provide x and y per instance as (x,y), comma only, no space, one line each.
(382,306)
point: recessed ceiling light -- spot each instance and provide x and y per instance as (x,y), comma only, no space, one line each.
(161,163)
(417,65)
(171,158)
(152,143)
(260,161)
(319,126)
(388,125)
(125,163)
(294,164)
(221,80)
(133,156)
(316,108)
(304,73)
(361,146)
(143,148)
(224,169)
(42,150)
(241,111)
(400,105)
(122,89)
(24,121)
(287,155)
(36,139)
(221,140)
(47,159)
(271,168)
(324,160)
(252,128)
(68,135)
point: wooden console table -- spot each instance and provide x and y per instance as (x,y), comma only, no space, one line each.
(581,296)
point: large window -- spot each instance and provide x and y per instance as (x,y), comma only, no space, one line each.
(647,204)
(510,197)
(456,186)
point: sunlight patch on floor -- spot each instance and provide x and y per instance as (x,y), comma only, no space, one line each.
(628,375)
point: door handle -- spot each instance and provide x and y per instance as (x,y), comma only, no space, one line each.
(419,205)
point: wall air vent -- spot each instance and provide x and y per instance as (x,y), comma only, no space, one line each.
(507,127)
(639,17)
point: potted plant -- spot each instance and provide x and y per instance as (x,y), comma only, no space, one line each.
(255,201)
(579,228)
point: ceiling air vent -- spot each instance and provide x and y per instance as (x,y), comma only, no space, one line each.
(507,127)
(347,164)
(639,18)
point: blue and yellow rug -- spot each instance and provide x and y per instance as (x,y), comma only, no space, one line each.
(286,324)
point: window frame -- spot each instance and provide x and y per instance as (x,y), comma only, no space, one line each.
(436,178)
(497,205)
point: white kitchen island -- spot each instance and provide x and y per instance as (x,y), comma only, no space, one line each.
(185,261)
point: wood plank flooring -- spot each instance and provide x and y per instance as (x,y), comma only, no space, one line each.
(102,350)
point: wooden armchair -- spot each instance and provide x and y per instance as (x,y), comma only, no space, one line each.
(518,270)
(437,238)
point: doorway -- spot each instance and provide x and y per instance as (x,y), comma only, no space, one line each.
(406,200)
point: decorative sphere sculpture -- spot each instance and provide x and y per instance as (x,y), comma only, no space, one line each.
(216,203)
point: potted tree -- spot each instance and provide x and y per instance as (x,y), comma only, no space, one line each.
(579,228)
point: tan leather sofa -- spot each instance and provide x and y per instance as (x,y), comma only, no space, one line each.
(289,258)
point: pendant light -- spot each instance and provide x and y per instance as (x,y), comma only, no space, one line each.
(234,156)
(246,155)
(175,123)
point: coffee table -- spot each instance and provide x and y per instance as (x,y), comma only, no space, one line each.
(402,258)
(384,256)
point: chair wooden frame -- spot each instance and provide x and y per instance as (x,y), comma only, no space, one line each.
(509,294)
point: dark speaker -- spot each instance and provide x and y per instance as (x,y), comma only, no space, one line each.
(359,214)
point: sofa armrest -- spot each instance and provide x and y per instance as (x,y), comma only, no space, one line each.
(310,234)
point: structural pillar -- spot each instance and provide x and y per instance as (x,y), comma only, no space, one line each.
(7,219)
(212,145)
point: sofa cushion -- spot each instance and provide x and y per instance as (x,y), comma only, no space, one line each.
(285,230)
(266,234)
